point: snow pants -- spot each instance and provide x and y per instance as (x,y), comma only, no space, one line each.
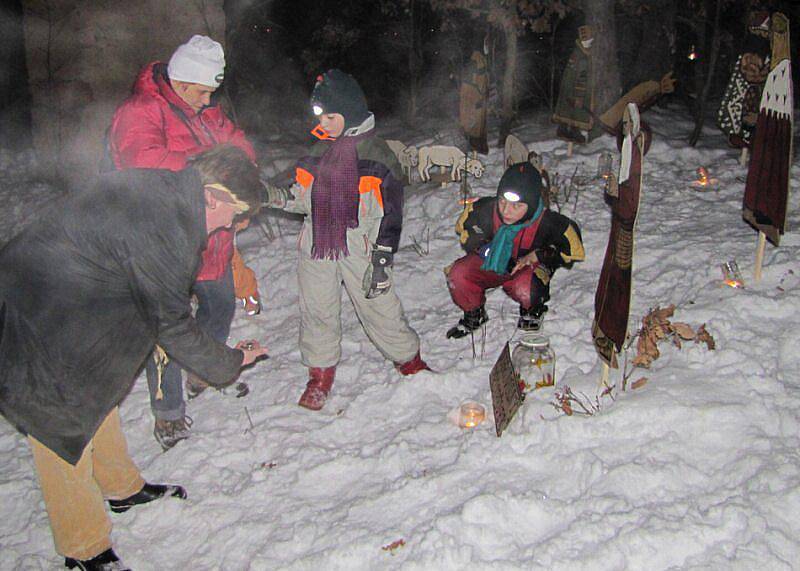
(75,495)
(468,284)
(320,312)
(216,306)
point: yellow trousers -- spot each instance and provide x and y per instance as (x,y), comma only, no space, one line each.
(75,495)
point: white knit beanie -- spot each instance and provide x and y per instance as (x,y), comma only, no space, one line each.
(200,60)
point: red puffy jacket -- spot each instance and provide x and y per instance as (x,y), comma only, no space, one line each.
(154,128)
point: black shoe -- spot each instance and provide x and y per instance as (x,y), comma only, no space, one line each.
(149,493)
(531,319)
(469,323)
(106,561)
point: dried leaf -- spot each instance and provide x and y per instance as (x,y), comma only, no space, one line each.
(644,360)
(704,336)
(566,407)
(662,315)
(394,546)
(650,347)
(657,332)
(684,330)
(638,383)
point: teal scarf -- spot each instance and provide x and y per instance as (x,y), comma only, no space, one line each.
(502,245)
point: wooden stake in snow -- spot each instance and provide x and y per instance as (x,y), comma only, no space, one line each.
(762,242)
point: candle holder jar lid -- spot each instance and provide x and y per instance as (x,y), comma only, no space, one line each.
(535,340)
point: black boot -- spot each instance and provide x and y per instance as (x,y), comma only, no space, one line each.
(531,319)
(470,322)
(148,493)
(106,561)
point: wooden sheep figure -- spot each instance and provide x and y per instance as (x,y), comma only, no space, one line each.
(515,151)
(449,157)
(408,156)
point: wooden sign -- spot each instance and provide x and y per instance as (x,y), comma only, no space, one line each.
(506,393)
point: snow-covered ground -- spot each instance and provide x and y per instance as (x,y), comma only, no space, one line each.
(698,469)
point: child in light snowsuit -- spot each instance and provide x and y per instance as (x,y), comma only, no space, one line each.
(349,188)
(513,242)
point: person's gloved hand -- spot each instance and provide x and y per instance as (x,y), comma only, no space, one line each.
(376,279)
(251,304)
(276,197)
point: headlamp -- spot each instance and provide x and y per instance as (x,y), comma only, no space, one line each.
(317,110)
(511,196)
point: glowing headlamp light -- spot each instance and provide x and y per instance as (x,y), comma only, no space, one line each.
(317,110)
(511,196)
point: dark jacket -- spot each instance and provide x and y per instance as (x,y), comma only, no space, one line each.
(555,238)
(155,129)
(380,187)
(88,289)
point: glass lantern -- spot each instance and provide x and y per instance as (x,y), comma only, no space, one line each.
(534,362)
(605,164)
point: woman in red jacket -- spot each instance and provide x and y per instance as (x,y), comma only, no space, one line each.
(169,119)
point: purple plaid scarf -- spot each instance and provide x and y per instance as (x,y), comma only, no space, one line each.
(335,199)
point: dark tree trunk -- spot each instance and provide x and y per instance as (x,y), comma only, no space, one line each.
(607,84)
(415,60)
(647,38)
(509,79)
(709,68)
(15,96)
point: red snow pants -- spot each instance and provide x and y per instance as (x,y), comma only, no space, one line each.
(468,283)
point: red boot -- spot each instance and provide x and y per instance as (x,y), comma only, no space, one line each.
(413,366)
(319,386)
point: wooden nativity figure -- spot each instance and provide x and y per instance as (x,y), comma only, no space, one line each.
(613,296)
(473,102)
(739,108)
(766,192)
(574,111)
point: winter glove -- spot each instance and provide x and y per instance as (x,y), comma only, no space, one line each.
(275,197)
(251,304)
(245,284)
(549,256)
(376,279)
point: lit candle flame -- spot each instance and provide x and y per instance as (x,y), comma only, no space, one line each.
(702,173)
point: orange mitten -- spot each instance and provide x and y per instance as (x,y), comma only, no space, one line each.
(245,284)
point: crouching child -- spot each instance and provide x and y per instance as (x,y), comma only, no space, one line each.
(515,242)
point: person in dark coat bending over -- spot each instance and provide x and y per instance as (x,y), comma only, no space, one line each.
(86,292)
(512,241)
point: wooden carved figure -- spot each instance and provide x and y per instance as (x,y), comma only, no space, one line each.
(473,102)
(514,151)
(407,156)
(575,107)
(766,192)
(614,289)
(739,108)
(448,157)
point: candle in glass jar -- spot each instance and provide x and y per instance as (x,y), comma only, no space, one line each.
(471,414)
